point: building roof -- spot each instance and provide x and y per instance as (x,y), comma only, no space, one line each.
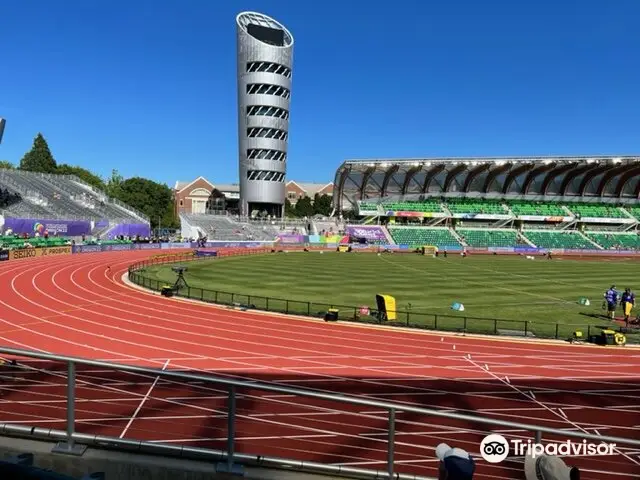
(309,188)
(553,176)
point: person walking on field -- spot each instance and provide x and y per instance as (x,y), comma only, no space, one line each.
(611,298)
(627,302)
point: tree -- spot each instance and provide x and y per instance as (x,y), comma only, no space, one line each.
(153,199)
(322,205)
(304,208)
(114,185)
(39,158)
(289,210)
(83,174)
(7,165)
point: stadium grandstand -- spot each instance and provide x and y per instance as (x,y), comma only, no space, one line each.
(64,205)
(538,202)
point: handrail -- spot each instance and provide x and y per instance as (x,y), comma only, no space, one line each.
(341,398)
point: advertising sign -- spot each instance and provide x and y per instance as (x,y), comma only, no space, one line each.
(148,246)
(4,255)
(61,227)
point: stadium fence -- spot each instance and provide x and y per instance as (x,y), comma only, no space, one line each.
(73,443)
(464,324)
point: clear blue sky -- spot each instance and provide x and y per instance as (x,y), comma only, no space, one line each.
(148,87)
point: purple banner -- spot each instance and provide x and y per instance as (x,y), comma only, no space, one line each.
(102,224)
(117,247)
(65,228)
(86,249)
(148,246)
(372,232)
(290,238)
(206,253)
(131,230)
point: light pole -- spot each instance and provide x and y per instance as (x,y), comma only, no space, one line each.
(3,122)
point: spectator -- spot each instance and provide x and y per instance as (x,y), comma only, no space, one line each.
(455,463)
(548,467)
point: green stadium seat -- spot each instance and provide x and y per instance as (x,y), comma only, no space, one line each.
(489,238)
(554,239)
(615,241)
(589,210)
(546,209)
(635,211)
(425,206)
(463,205)
(419,236)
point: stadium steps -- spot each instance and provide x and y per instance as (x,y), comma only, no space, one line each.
(387,235)
(598,246)
(524,239)
(628,213)
(457,237)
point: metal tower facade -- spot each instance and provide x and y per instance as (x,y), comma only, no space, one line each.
(265,54)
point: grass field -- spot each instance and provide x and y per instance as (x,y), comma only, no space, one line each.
(543,293)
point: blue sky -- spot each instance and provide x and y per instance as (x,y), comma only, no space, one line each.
(148,87)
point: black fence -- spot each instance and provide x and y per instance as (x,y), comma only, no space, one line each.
(407,318)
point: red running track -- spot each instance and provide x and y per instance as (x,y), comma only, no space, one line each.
(74,305)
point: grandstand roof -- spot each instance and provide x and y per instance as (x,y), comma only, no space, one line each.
(610,177)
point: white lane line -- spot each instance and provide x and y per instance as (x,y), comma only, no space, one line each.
(143,401)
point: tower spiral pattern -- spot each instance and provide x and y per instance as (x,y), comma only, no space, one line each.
(265,53)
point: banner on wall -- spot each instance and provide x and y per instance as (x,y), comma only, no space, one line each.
(206,253)
(86,248)
(372,233)
(38,252)
(68,228)
(147,246)
(131,230)
(169,246)
(120,247)
(4,255)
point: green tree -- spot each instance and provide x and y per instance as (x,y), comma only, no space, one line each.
(114,185)
(83,174)
(304,208)
(322,205)
(39,158)
(289,210)
(153,199)
(7,165)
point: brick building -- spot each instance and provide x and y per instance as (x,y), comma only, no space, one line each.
(202,196)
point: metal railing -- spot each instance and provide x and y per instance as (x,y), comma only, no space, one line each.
(406,318)
(74,443)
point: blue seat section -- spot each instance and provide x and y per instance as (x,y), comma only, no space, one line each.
(20,468)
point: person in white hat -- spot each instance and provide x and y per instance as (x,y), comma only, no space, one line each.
(455,463)
(548,467)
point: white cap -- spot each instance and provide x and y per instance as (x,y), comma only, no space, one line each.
(546,467)
(444,451)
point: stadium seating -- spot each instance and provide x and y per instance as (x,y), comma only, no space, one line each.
(588,210)
(225,228)
(464,205)
(418,236)
(44,196)
(635,211)
(555,239)
(546,209)
(489,238)
(428,205)
(616,240)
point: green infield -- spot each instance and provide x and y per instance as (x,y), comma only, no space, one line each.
(500,294)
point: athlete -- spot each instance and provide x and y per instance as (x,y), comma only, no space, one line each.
(627,302)
(611,298)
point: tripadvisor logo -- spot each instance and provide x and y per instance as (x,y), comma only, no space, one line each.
(495,448)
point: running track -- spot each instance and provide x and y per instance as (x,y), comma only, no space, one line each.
(73,305)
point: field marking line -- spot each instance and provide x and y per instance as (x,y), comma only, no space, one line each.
(551,410)
(144,400)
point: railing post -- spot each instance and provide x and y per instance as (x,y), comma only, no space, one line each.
(229,466)
(69,447)
(538,438)
(391,442)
